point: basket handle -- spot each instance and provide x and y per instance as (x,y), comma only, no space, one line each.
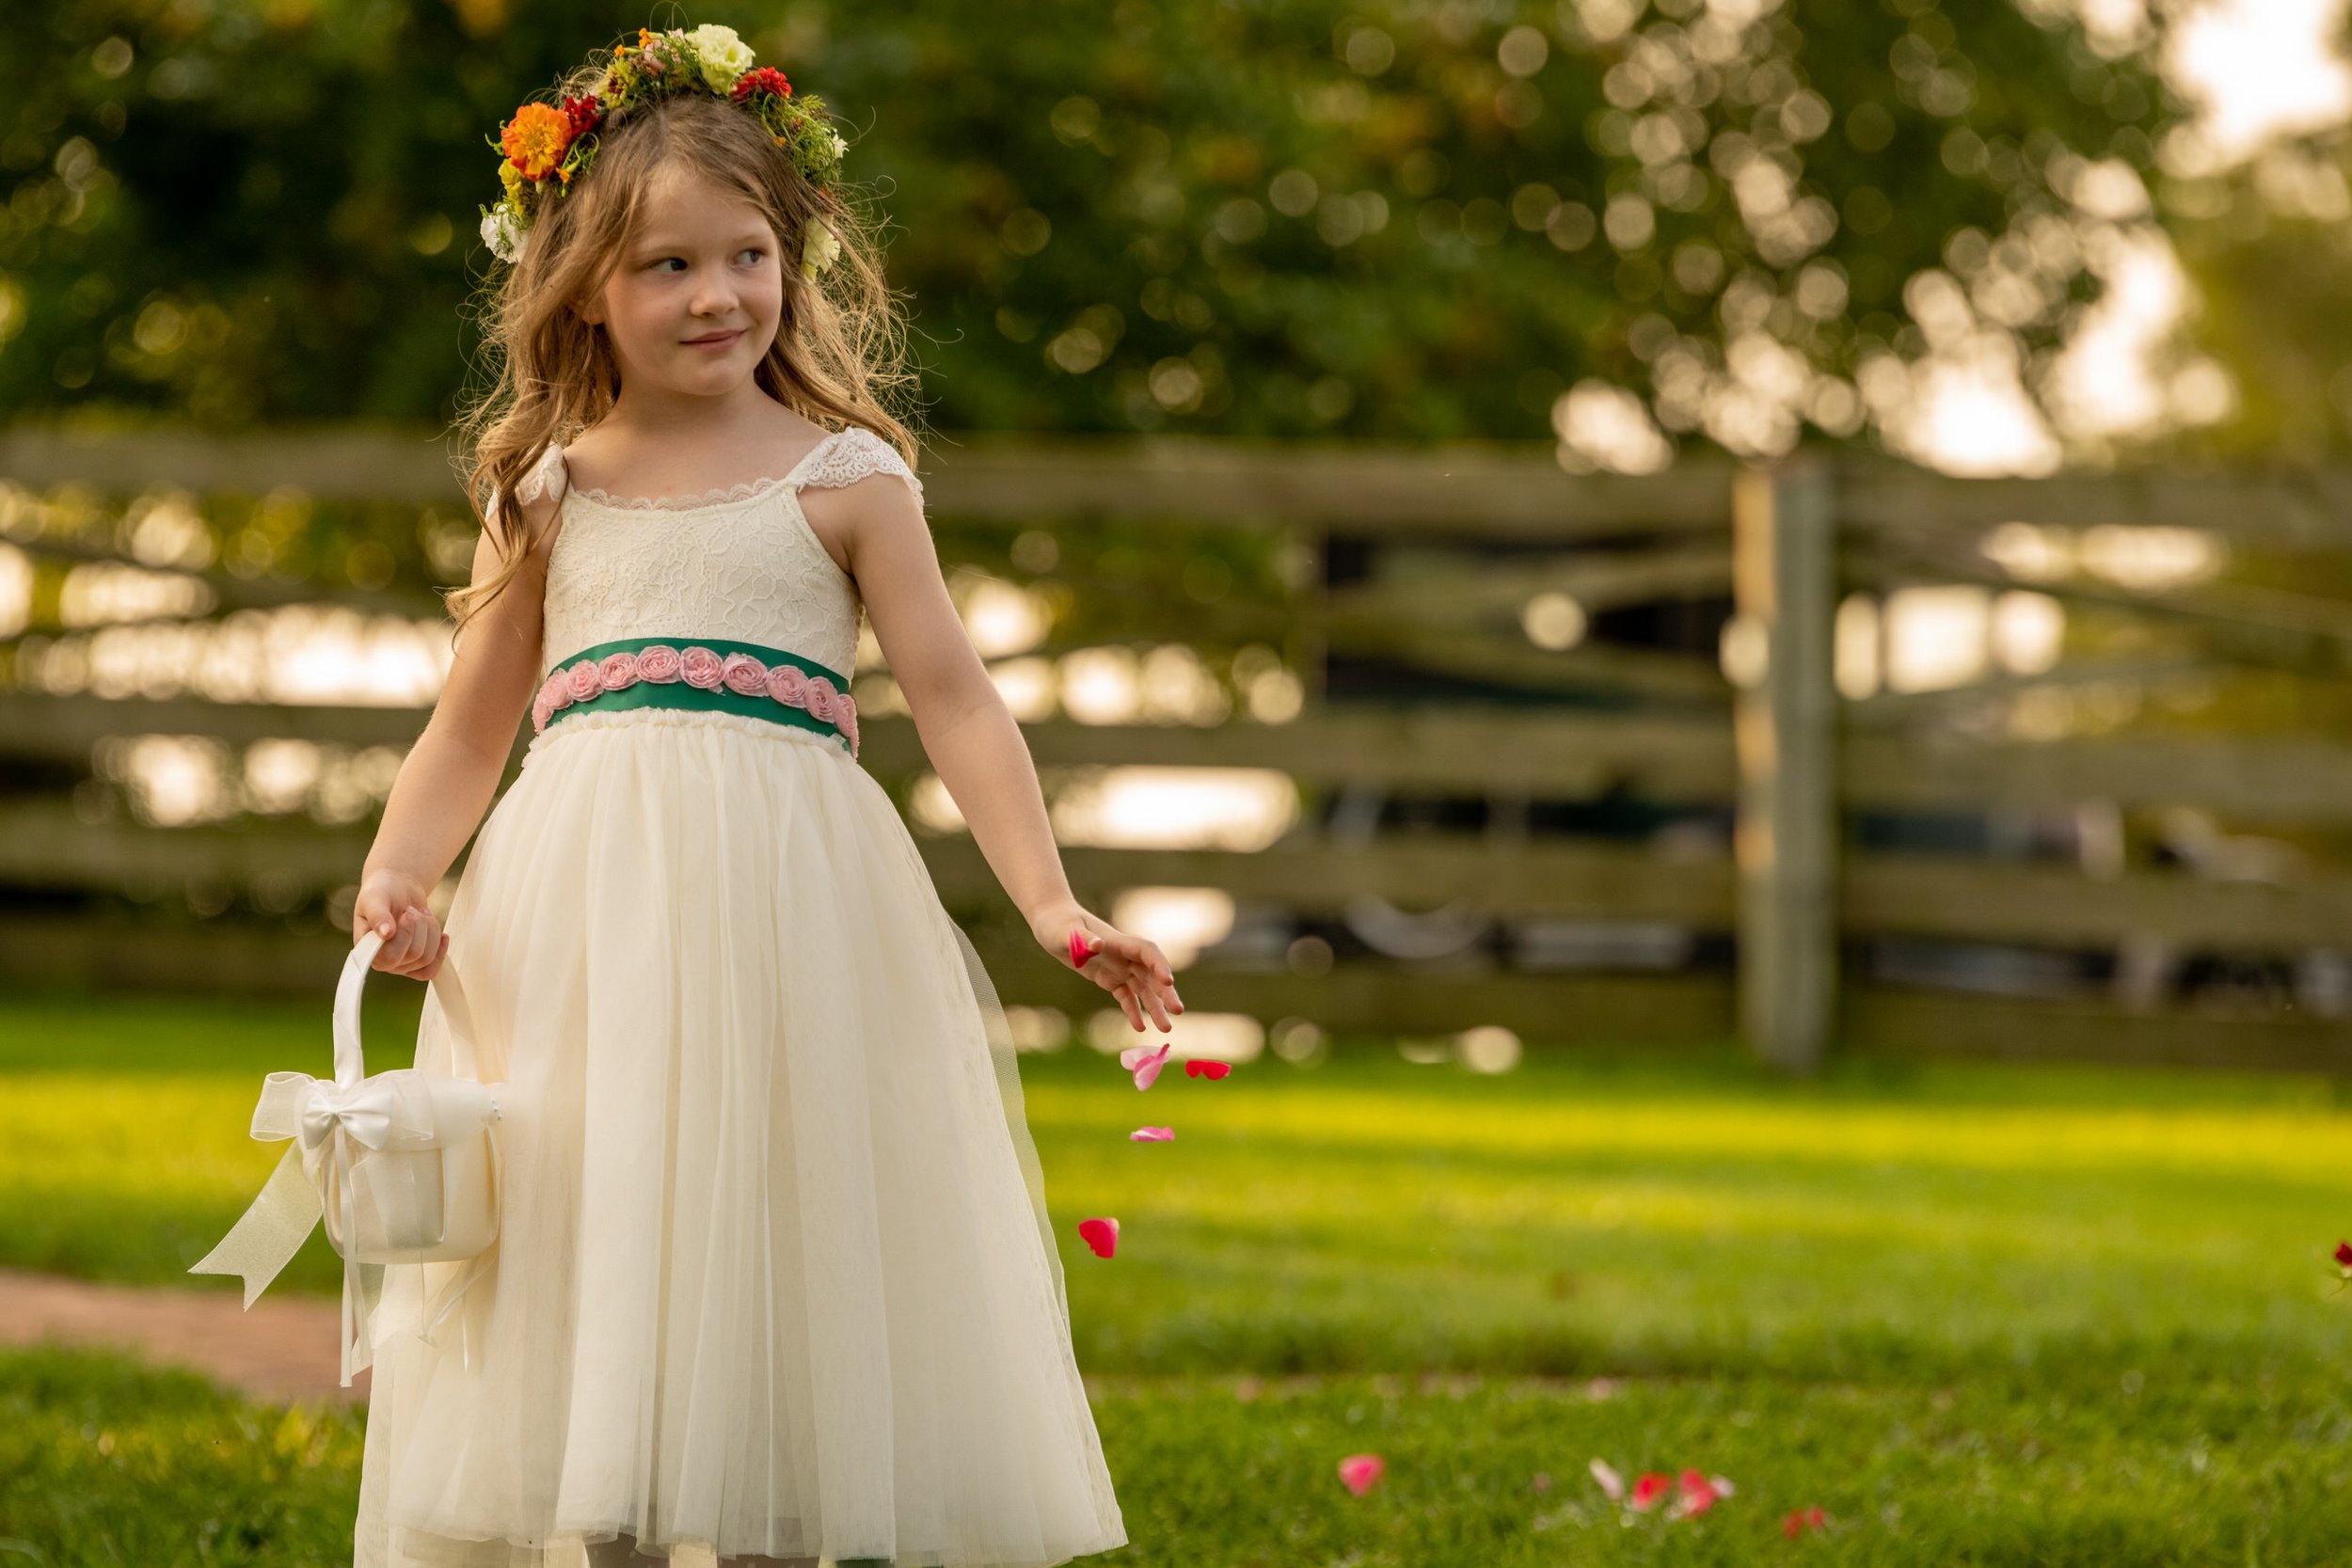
(350,1062)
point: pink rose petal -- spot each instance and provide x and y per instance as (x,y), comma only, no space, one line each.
(1359,1471)
(1699,1494)
(1145,1061)
(1611,1483)
(1152,1135)
(1197,1068)
(1648,1491)
(1100,1234)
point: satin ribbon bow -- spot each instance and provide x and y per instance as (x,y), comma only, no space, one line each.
(323,1118)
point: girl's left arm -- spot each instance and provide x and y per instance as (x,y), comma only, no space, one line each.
(973,743)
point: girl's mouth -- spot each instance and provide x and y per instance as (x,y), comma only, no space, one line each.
(726,341)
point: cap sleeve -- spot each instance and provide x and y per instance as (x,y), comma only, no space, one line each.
(547,476)
(854,453)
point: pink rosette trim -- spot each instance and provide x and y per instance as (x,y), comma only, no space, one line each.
(788,684)
(744,675)
(701,667)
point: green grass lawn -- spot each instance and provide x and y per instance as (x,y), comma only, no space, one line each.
(1978,1315)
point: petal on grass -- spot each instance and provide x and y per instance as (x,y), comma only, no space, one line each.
(1358,1472)
(1611,1483)
(1698,1495)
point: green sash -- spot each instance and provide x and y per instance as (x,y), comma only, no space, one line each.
(680,694)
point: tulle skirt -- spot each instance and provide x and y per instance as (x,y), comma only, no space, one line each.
(769,1282)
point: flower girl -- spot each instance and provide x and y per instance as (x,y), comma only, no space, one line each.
(774,1281)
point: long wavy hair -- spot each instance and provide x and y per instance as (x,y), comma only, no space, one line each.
(839,354)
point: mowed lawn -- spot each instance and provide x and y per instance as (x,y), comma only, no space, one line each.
(1975,1315)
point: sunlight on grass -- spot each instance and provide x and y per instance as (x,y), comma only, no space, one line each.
(1976,1314)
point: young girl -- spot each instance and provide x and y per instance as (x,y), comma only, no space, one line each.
(768,1287)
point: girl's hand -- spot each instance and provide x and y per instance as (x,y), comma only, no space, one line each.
(393,903)
(1129,967)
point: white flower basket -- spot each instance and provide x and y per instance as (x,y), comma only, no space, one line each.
(403,1166)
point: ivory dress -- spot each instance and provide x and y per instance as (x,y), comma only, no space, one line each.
(773,1276)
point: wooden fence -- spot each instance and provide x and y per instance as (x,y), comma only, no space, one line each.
(1807,907)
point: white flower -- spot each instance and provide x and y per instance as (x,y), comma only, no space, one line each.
(503,230)
(817,249)
(725,57)
(839,147)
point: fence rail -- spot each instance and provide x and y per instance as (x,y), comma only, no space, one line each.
(1777,756)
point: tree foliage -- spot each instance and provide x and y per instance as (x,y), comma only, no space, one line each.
(1417,219)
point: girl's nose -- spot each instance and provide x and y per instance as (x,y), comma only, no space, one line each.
(714,296)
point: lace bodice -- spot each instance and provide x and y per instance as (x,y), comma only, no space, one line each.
(739,561)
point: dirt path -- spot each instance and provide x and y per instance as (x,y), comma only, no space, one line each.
(283,1349)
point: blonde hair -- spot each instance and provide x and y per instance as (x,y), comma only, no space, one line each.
(839,353)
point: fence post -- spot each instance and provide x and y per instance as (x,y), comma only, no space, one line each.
(1777,651)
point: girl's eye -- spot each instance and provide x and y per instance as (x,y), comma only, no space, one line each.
(747,250)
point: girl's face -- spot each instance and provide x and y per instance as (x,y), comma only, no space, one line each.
(696,297)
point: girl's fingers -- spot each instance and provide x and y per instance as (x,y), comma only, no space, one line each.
(1127,1005)
(1143,954)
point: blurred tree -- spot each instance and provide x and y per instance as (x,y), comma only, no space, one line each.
(1624,220)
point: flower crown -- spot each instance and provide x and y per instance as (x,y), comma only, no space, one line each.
(547,146)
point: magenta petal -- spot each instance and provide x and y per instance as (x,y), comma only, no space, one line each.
(1145,1061)
(1152,1135)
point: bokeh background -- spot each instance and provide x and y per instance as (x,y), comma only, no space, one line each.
(1714,631)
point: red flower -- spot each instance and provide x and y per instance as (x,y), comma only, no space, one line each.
(2343,1258)
(1802,1520)
(767,78)
(1196,1068)
(583,115)
(1648,1490)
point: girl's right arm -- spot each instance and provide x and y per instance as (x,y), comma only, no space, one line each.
(446,781)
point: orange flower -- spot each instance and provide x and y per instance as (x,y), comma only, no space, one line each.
(536,139)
